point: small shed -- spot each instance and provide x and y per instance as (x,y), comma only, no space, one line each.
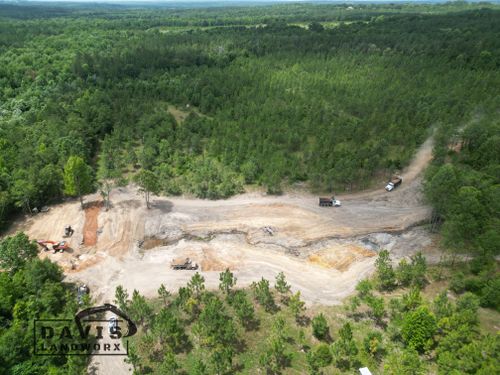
(364,371)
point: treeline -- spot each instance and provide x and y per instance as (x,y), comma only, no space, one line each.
(31,289)
(463,185)
(390,325)
(270,104)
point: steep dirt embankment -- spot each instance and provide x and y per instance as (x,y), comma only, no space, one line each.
(90,227)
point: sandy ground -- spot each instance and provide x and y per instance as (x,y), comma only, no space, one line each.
(133,246)
(110,365)
(323,251)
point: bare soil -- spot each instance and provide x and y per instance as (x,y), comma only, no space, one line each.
(90,227)
(340,257)
(318,248)
(323,251)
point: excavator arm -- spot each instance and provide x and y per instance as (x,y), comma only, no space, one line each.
(46,241)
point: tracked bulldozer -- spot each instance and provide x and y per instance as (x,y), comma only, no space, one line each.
(187,264)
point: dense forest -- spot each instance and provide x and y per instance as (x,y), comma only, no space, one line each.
(30,289)
(285,94)
(463,185)
(395,324)
(208,101)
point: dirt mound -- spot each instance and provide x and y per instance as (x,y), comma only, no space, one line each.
(212,262)
(152,242)
(340,257)
(92,210)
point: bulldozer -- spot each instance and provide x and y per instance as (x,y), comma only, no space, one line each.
(56,246)
(187,264)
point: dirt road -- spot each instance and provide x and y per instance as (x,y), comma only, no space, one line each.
(322,251)
(114,364)
(329,245)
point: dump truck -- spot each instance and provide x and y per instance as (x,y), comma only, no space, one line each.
(394,183)
(329,202)
(186,264)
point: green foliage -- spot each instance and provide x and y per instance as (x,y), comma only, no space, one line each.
(320,327)
(169,330)
(344,349)
(148,184)
(275,358)
(269,105)
(312,364)
(412,299)
(163,293)
(210,179)
(386,277)
(377,309)
(227,281)
(412,274)
(320,356)
(16,251)
(222,359)
(404,363)
(33,289)
(108,170)
(23,191)
(199,368)
(263,294)
(169,366)
(419,327)
(364,289)
(404,273)
(77,178)
(465,191)
(475,357)
(490,294)
(121,298)
(214,327)
(296,305)
(281,285)
(244,310)
(197,284)
(457,283)
(441,306)
(447,334)
(316,27)
(138,308)
(373,344)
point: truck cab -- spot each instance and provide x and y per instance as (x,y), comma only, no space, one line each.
(324,202)
(394,183)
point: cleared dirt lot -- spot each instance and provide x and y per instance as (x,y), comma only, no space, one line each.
(323,251)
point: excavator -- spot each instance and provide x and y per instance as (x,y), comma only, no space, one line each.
(68,231)
(56,246)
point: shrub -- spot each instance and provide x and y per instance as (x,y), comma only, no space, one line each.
(320,327)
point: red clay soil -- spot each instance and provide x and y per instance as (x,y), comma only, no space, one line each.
(92,210)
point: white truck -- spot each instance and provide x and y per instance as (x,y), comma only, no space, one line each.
(394,183)
(332,202)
